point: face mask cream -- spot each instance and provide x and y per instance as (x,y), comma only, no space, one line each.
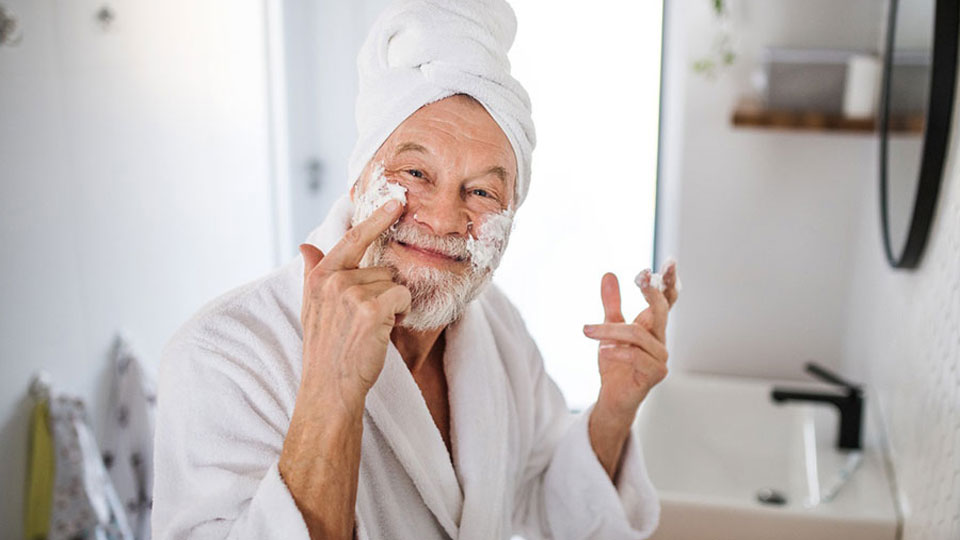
(378,192)
(491,240)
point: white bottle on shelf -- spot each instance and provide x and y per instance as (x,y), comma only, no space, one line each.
(862,86)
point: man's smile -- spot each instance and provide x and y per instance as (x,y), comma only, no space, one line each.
(428,254)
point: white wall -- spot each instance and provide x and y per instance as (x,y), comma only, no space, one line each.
(760,221)
(902,336)
(134,186)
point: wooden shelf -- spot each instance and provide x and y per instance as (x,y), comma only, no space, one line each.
(816,121)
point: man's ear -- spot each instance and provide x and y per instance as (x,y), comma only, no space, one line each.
(352,189)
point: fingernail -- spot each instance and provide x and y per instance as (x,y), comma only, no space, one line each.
(588,329)
(393,205)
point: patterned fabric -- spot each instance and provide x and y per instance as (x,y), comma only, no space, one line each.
(85,506)
(128,440)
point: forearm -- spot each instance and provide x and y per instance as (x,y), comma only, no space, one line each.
(320,464)
(609,431)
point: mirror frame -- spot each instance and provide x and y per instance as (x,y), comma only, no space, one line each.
(936,136)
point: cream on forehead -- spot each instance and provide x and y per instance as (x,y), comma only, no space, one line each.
(486,249)
(377,194)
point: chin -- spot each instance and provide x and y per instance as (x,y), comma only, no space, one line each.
(437,303)
(439,296)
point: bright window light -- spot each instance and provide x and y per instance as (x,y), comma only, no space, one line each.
(593,74)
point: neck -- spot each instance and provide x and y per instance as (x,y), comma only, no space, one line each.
(415,347)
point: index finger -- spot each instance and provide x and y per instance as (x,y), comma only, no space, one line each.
(349,250)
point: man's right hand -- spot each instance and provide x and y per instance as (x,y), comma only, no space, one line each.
(347,315)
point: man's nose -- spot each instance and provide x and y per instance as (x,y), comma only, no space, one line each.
(444,213)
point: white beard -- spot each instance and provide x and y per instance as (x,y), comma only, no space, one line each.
(439,297)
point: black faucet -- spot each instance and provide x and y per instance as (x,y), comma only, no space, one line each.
(849,403)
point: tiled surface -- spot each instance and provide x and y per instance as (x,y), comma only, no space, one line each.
(903,339)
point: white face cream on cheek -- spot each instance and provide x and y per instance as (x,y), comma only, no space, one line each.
(379,191)
(486,249)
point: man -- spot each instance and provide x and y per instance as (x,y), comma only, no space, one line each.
(379,386)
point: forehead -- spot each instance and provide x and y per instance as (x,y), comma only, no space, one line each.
(459,132)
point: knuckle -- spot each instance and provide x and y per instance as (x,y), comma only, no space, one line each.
(353,235)
(334,284)
(403,292)
(368,309)
(313,280)
(353,296)
(338,281)
(662,372)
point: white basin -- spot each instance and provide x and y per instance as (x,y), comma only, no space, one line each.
(712,442)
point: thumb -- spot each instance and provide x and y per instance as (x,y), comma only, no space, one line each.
(610,296)
(311,257)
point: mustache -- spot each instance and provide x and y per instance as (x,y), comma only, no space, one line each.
(454,247)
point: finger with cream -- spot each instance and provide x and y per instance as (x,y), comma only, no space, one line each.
(656,278)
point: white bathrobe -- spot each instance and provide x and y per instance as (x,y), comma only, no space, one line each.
(521,463)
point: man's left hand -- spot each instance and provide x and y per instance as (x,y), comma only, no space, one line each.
(632,358)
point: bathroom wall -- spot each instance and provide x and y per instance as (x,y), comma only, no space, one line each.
(779,243)
(902,337)
(759,220)
(134,186)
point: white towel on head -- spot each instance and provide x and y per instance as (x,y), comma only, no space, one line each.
(421,51)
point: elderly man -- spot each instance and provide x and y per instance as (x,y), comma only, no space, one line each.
(379,386)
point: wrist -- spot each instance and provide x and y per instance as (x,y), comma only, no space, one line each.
(324,397)
(613,410)
(322,424)
(608,436)
(610,425)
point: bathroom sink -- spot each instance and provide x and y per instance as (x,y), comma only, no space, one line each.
(728,463)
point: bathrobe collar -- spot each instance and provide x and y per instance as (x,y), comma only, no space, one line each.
(468,502)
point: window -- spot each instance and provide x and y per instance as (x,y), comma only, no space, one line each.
(593,74)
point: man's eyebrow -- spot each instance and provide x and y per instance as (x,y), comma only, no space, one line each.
(500,172)
(410,147)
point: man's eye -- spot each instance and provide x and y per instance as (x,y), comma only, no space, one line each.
(416,173)
(481,192)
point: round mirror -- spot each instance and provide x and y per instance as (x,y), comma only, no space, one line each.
(920,65)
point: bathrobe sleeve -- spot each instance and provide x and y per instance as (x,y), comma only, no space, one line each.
(565,493)
(219,433)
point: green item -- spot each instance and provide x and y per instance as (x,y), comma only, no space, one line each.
(40,473)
